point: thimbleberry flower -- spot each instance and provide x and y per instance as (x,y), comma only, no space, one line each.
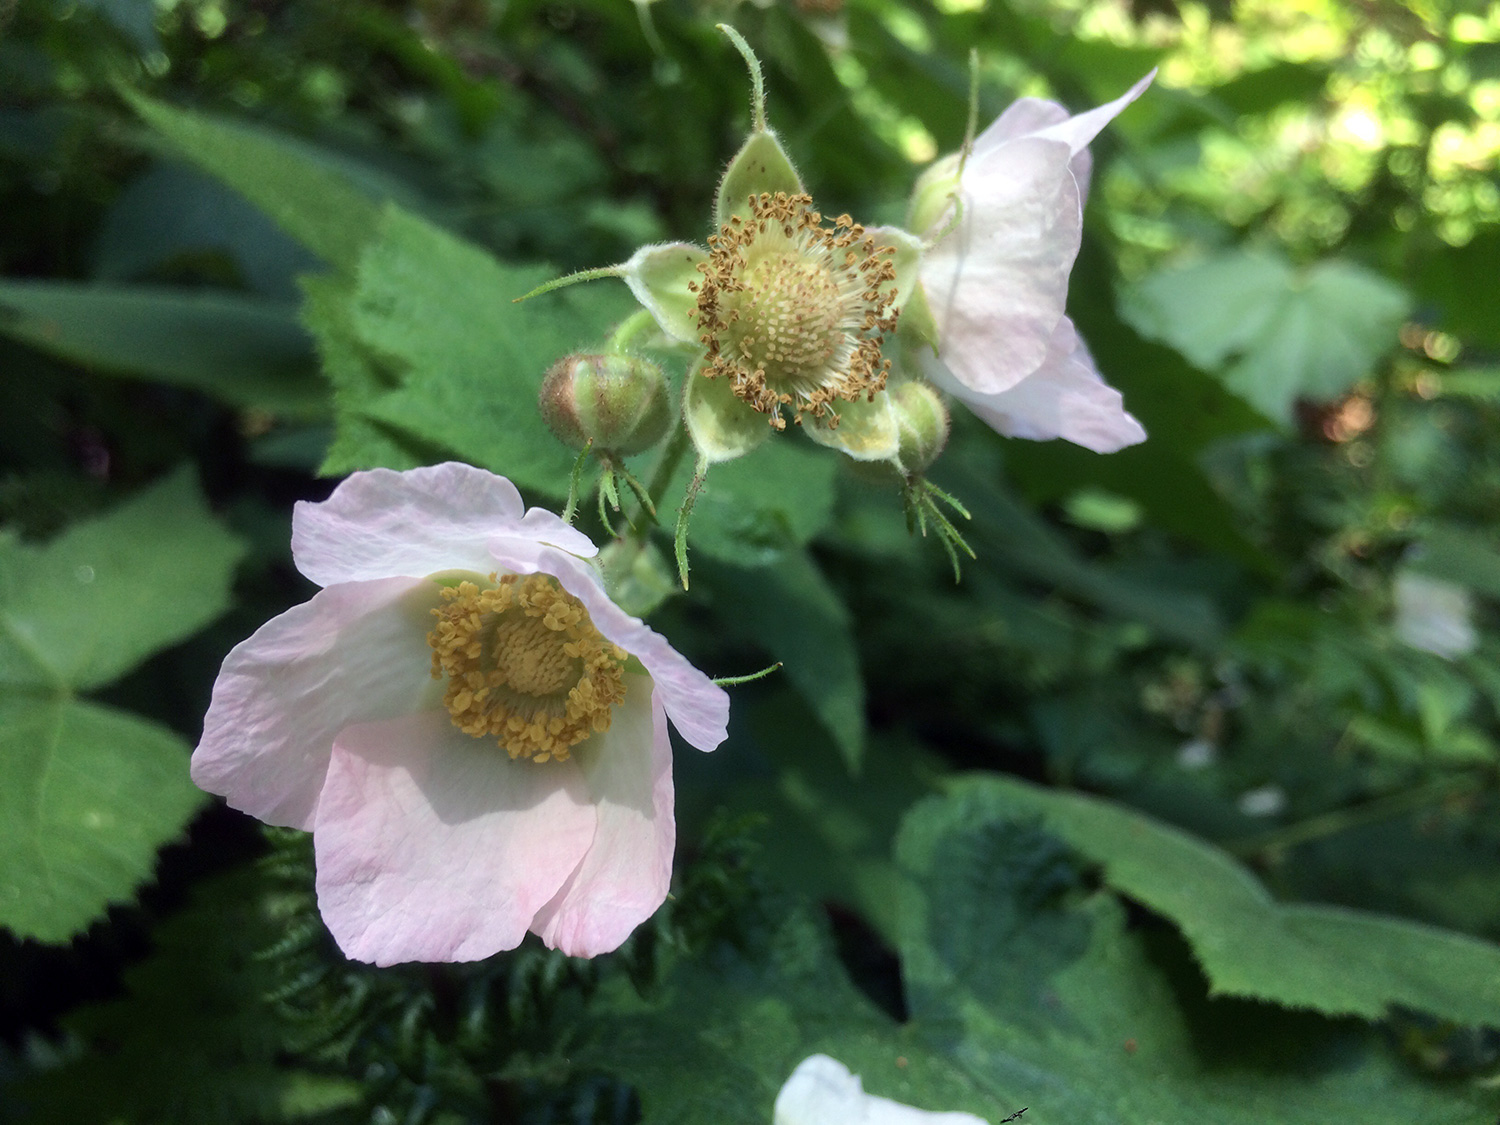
(473,732)
(822,1091)
(1004,227)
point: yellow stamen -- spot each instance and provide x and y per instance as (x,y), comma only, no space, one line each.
(794,312)
(525,665)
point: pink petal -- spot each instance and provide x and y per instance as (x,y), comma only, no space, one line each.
(354,653)
(624,877)
(434,846)
(1077,132)
(1065,397)
(381,523)
(697,706)
(998,283)
(1024,117)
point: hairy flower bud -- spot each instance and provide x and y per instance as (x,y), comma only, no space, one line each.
(922,421)
(618,401)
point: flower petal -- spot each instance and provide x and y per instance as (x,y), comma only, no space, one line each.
(1024,117)
(822,1091)
(998,283)
(1065,397)
(625,875)
(1077,132)
(355,653)
(697,706)
(381,523)
(434,846)
(866,431)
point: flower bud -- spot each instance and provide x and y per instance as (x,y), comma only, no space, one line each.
(922,421)
(619,401)
(932,197)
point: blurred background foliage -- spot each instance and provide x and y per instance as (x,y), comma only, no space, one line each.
(247,244)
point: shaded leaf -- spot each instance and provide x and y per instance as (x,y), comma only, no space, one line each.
(1272,332)
(1329,959)
(86,607)
(247,351)
(87,796)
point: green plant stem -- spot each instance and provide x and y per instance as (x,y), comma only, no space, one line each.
(1341,820)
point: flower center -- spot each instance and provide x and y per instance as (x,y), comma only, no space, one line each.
(525,665)
(793,311)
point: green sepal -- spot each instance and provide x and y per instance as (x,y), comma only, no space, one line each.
(935,194)
(721,425)
(762,165)
(907,259)
(917,327)
(867,431)
(659,277)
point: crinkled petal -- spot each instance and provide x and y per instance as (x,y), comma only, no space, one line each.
(998,283)
(1077,132)
(698,707)
(624,877)
(1065,397)
(822,1091)
(356,652)
(381,523)
(435,846)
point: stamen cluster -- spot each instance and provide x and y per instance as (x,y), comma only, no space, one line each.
(793,311)
(525,665)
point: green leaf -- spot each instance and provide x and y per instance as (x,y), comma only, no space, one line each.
(88,606)
(1024,990)
(87,796)
(1047,997)
(1272,332)
(791,611)
(1325,958)
(247,351)
(761,166)
(430,356)
(325,201)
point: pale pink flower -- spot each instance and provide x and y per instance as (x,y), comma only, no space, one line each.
(822,1091)
(997,282)
(433,844)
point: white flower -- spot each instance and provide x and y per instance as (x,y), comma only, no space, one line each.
(1433,615)
(475,735)
(821,1091)
(997,282)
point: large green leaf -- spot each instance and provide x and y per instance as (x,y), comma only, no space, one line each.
(87,795)
(792,612)
(1043,992)
(248,351)
(1272,332)
(1025,992)
(325,201)
(429,345)
(88,606)
(1332,960)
